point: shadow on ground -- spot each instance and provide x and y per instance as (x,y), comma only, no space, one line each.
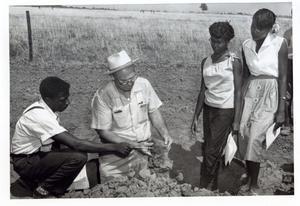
(187,162)
(230,177)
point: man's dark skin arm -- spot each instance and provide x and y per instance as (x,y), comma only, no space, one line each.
(88,146)
(109,136)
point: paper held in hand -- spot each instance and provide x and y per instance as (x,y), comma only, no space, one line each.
(271,135)
(230,149)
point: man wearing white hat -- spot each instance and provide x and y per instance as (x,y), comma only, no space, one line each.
(123,111)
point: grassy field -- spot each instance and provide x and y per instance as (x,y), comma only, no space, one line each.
(90,36)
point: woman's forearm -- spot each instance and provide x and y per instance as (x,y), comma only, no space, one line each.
(200,102)
(282,76)
(238,81)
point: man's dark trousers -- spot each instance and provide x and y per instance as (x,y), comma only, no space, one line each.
(54,171)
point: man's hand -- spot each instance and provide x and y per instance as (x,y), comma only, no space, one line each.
(168,141)
(123,148)
(143,147)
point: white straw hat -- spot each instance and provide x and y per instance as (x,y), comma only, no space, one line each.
(119,61)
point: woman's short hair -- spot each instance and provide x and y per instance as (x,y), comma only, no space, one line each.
(264,19)
(51,87)
(221,30)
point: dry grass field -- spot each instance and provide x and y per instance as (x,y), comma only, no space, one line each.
(74,43)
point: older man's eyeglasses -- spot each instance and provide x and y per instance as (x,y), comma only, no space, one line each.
(128,81)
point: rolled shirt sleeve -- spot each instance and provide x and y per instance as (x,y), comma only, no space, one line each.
(101,113)
(44,126)
(153,99)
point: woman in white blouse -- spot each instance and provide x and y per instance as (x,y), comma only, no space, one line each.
(218,96)
(265,66)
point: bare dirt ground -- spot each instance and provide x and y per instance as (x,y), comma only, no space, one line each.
(177,86)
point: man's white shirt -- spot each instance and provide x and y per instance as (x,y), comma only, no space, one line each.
(35,128)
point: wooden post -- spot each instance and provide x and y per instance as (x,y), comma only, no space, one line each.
(29,35)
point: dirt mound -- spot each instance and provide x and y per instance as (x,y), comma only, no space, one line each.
(137,187)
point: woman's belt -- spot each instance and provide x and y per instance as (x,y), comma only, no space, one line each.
(251,77)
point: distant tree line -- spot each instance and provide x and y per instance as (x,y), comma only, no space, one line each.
(151,11)
(203,7)
(71,7)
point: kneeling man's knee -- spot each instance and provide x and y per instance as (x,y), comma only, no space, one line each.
(79,157)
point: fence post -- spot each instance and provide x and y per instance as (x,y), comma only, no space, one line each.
(29,35)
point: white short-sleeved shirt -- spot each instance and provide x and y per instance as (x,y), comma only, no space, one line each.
(219,82)
(265,62)
(127,118)
(35,128)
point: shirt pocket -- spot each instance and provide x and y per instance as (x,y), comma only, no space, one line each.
(121,116)
(142,112)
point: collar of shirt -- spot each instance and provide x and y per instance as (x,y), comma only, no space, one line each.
(266,42)
(228,55)
(137,87)
(43,104)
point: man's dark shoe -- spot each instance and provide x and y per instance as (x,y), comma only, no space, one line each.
(41,193)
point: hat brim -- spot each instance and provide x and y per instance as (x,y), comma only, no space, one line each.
(122,67)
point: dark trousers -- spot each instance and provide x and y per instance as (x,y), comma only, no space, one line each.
(54,171)
(217,124)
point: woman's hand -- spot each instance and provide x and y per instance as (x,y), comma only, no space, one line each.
(279,120)
(194,126)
